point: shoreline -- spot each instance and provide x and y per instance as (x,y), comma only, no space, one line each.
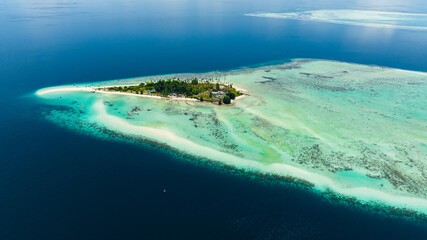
(217,73)
(93,89)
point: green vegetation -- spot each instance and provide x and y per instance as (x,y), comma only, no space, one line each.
(226,100)
(231,95)
(208,90)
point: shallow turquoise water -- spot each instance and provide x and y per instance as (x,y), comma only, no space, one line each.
(57,183)
(356,130)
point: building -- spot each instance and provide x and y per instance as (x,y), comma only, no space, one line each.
(218,95)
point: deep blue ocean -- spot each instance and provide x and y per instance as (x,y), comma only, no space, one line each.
(60,184)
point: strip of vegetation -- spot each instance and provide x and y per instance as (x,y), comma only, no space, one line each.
(208,90)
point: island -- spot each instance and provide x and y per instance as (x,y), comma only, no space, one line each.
(348,131)
(204,90)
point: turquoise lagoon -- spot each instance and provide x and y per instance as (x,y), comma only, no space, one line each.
(355,130)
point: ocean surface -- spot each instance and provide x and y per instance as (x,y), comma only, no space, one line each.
(56,183)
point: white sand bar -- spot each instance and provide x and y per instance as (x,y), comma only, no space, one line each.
(380,19)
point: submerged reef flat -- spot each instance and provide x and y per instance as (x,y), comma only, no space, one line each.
(355,130)
(398,20)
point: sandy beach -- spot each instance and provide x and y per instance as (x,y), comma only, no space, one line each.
(94,89)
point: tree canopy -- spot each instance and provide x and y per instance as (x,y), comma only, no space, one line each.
(202,89)
(231,95)
(226,100)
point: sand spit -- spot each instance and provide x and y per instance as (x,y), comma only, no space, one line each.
(95,90)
